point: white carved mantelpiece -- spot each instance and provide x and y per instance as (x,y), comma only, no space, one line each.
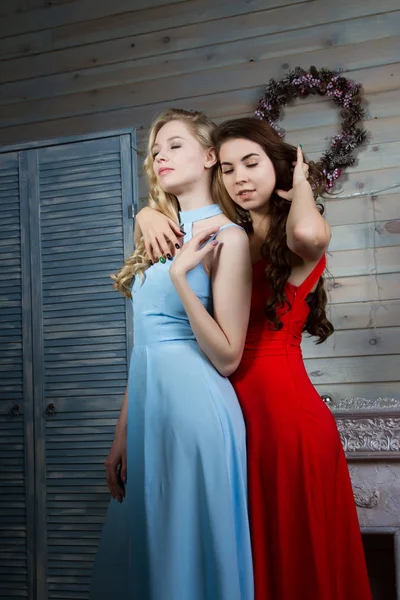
(369,429)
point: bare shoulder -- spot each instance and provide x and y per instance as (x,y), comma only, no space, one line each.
(233,248)
(232,235)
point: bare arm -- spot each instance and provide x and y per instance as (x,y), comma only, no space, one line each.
(221,337)
(122,423)
(116,460)
(308,234)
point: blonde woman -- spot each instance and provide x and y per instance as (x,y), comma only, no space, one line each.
(180,529)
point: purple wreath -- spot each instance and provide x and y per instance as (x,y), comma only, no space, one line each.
(320,82)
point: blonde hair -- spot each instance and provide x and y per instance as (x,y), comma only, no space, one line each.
(202,128)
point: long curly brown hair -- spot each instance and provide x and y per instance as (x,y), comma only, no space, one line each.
(275,250)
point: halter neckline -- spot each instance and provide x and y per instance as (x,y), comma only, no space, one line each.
(198,214)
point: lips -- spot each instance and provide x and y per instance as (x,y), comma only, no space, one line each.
(166,170)
(243,194)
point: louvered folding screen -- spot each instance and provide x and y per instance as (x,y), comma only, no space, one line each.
(16,439)
(76,341)
(84,193)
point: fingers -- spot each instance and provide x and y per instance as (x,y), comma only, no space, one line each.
(149,251)
(203,236)
(210,247)
(156,250)
(205,249)
(114,486)
(175,238)
(299,155)
(113,483)
(122,472)
(164,246)
(175,229)
(164,243)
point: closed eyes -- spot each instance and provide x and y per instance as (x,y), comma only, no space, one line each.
(172,148)
(228,171)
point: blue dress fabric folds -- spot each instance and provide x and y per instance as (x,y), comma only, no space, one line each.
(182,530)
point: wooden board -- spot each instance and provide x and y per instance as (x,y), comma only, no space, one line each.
(366,261)
(356,342)
(374,79)
(370,391)
(356,369)
(364,288)
(362,209)
(216,105)
(190,85)
(363,315)
(370,182)
(365,235)
(53,16)
(317,139)
(83,68)
(134,23)
(372,156)
(8,7)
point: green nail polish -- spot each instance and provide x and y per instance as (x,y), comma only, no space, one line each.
(162,260)
(301,146)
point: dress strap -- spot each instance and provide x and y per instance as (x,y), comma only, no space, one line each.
(188,218)
(305,288)
(227,226)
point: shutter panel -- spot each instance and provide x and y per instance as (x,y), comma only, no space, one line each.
(84,330)
(16,477)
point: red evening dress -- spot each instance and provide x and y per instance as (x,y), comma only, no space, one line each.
(305,531)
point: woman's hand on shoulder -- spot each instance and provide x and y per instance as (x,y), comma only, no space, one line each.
(193,253)
(161,235)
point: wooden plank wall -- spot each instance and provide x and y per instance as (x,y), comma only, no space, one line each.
(78,66)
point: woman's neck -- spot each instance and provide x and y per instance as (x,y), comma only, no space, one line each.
(197,197)
(261,222)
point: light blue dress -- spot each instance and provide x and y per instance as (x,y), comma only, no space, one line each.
(182,530)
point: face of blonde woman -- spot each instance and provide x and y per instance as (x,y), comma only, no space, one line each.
(247,172)
(179,160)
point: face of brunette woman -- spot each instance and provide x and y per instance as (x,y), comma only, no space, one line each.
(180,162)
(247,172)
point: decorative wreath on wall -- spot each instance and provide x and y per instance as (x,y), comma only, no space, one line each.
(320,82)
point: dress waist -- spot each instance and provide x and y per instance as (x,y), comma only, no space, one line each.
(271,350)
(262,341)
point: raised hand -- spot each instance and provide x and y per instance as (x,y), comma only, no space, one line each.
(300,175)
